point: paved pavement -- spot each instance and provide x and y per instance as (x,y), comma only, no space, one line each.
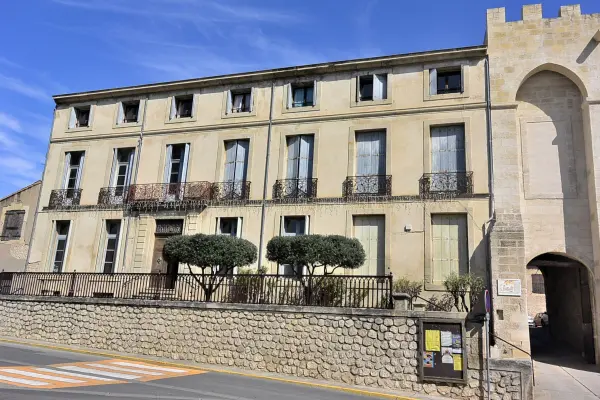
(560,374)
(34,373)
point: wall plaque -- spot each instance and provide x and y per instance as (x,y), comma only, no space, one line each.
(509,287)
(169,226)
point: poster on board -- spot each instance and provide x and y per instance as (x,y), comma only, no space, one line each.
(442,351)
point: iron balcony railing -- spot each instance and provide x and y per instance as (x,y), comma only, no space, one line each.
(169,192)
(113,196)
(295,189)
(234,190)
(60,198)
(368,185)
(323,291)
(446,183)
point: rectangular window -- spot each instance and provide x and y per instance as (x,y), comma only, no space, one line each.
(370,163)
(293,226)
(231,226)
(13,222)
(370,231)
(445,80)
(236,160)
(61,237)
(182,106)
(80,117)
(113,229)
(73,170)
(239,101)
(537,284)
(121,172)
(176,163)
(302,94)
(372,87)
(128,112)
(447,157)
(449,250)
(300,157)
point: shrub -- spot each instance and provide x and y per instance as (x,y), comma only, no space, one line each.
(460,285)
(411,288)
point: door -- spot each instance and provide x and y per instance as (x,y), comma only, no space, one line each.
(447,157)
(370,232)
(236,166)
(299,166)
(370,163)
(169,270)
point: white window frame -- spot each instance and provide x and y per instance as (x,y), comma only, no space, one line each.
(120,120)
(172,113)
(376,96)
(290,94)
(231,93)
(107,237)
(72,121)
(281,268)
(55,238)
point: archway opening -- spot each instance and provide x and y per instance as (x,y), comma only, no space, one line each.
(564,329)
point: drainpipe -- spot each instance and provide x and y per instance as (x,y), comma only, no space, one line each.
(265,182)
(37,207)
(138,154)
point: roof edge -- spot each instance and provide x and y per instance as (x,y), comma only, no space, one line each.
(39,181)
(276,73)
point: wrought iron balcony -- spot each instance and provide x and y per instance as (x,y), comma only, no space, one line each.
(295,188)
(113,196)
(237,190)
(438,184)
(368,185)
(169,192)
(64,198)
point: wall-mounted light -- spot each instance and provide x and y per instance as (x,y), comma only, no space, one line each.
(407,228)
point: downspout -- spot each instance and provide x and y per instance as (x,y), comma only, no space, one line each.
(37,207)
(138,154)
(265,182)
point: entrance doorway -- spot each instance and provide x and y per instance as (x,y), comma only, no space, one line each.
(164,230)
(565,328)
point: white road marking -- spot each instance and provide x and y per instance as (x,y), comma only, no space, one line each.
(150,367)
(74,374)
(22,381)
(98,372)
(42,376)
(135,371)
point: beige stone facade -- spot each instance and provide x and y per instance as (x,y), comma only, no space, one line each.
(17,212)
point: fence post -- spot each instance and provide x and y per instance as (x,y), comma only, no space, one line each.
(72,286)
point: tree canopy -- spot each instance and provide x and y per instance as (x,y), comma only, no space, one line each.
(315,251)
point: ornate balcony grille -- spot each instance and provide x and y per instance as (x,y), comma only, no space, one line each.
(64,198)
(237,190)
(113,196)
(368,185)
(438,184)
(169,192)
(295,189)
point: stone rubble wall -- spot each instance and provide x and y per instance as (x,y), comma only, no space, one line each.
(375,348)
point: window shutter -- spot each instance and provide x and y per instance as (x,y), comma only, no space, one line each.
(229,102)
(462,78)
(306,157)
(66,170)
(314,93)
(113,168)
(379,149)
(251,99)
(72,118)
(184,167)
(120,113)
(293,155)
(238,233)
(139,114)
(363,154)
(433,81)
(173,107)
(130,168)
(230,156)
(383,85)
(377,87)
(168,163)
(79,171)
(91,117)
(357,89)
(289,95)
(241,160)
(193,114)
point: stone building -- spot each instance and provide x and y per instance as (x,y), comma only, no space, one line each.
(392,150)
(17,213)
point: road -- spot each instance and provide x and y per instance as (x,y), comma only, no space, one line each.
(35,373)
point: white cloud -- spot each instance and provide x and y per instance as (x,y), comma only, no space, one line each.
(10,122)
(18,86)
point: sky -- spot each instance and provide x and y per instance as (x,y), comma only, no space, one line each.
(50,47)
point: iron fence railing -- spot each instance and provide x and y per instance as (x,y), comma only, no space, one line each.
(233,190)
(112,196)
(64,198)
(368,185)
(295,188)
(323,291)
(446,183)
(167,192)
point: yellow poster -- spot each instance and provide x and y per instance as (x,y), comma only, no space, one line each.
(432,340)
(457,362)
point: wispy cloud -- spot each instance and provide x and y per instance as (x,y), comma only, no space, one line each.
(18,86)
(10,122)
(8,63)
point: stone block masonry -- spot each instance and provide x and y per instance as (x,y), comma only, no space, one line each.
(375,348)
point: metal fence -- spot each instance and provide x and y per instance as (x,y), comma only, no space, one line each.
(323,291)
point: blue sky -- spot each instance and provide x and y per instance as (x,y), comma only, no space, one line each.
(58,46)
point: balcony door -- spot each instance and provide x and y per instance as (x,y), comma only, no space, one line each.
(120,175)
(236,168)
(447,157)
(176,164)
(72,175)
(370,163)
(299,166)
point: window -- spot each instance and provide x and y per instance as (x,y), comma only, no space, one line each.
(80,117)
(182,107)
(176,163)
(239,101)
(60,245)
(372,87)
(231,226)
(236,160)
(128,112)
(302,94)
(449,250)
(73,169)
(537,284)
(370,163)
(447,157)
(300,157)
(447,80)
(370,232)
(13,222)
(121,170)
(113,229)
(293,226)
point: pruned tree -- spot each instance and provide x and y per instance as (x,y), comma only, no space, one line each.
(460,285)
(312,252)
(215,255)
(411,288)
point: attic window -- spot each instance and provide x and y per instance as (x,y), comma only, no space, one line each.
(81,117)
(182,106)
(129,111)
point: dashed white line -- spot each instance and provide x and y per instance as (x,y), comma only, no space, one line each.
(96,378)
(98,372)
(135,371)
(22,381)
(127,364)
(42,376)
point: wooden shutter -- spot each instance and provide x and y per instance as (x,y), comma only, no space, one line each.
(79,171)
(113,168)
(305,157)
(168,158)
(293,154)
(241,160)
(184,163)
(370,231)
(230,156)
(72,118)
(251,100)
(120,113)
(448,149)
(173,107)
(433,81)
(314,103)
(449,246)
(229,103)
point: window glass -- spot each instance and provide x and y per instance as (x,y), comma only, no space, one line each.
(449,81)
(366,87)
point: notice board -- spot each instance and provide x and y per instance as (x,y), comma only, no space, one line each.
(442,350)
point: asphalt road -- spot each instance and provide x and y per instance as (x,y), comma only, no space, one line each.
(32,373)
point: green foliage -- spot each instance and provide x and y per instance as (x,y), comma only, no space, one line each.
(460,285)
(315,251)
(411,288)
(444,303)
